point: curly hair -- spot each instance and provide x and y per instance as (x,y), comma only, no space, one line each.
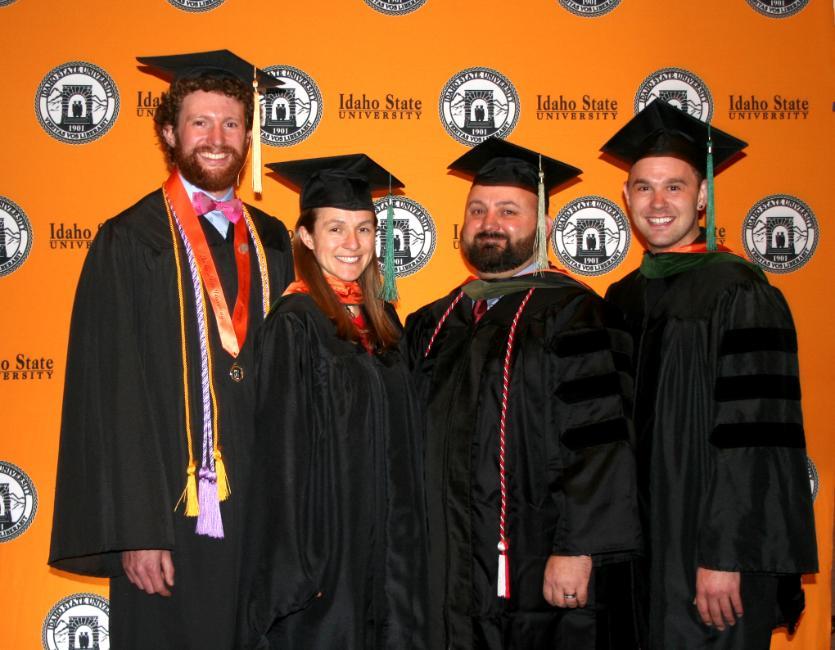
(168,110)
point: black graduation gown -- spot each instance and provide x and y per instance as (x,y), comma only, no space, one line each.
(336,527)
(123,457)
(721,458)
(570,465)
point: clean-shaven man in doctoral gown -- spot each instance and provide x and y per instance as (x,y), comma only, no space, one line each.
(159,398)
(724,489)
(530,473)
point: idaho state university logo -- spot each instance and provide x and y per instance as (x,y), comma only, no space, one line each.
(18,501)
(780,233)
(414,234)
(778,8)
(591,235)
(196,5)
(290,112)
(15,236)
(77,102)
(678,87)
(395,7)
(478,103)
(77,621)
(589,7)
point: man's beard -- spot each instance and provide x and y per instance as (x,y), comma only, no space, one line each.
(215,180)
(487,255)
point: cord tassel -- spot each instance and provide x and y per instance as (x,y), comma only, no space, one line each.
(189,494)
(208,521)
(224,489)
(503,575)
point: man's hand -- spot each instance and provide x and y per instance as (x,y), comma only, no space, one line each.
(717,597)
(152,571)
(566,581)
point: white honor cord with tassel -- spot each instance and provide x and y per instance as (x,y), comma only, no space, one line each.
(256,134)
(503,575)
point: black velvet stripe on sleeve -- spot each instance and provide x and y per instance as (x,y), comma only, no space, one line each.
(742,387)
(752,339)
(598,433)
(758,434)
(594,387)
(576,344)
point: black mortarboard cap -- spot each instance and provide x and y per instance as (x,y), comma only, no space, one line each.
(336,181)
(661,129)
(498,162)
(216,62)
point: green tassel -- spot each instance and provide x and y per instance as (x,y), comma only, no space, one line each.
(710,211)
(389,290)
(540,244)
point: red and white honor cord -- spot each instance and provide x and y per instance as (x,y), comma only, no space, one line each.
(441,322)
(503,575)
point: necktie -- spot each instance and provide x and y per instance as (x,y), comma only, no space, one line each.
(479,309)
(232,209)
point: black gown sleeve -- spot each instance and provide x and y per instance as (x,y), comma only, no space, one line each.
(594,466)
(757,509)
(277,578)
(111,491)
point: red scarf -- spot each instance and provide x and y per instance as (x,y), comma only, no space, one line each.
(347,293)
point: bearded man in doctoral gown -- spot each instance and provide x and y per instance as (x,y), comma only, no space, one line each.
(159,398)
(525,374)
(724,489)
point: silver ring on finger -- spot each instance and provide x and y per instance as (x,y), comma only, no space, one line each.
(570,596)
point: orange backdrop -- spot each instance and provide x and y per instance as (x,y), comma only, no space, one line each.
(769,79)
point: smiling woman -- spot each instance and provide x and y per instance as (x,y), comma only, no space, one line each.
(337,458)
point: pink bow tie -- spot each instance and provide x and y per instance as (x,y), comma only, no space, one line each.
(232,209)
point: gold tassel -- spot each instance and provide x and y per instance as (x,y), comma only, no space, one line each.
(256,135)
(540,245)
(190,493)
(223,487)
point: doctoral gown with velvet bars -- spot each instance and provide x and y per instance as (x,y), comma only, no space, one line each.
(336,528)
(570,466)
(123,454)
(723,479)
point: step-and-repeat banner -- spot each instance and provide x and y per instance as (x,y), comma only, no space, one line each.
(413,83)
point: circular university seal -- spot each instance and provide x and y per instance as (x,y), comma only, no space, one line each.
(814,481)
(414,234)
(591,235)
(778,8)
(395,7)
(18,501)
(589,8)
(290,112)
(196,5)
(678,87)
(780,233)
(77,621)
(15,236)
(477,103)
(77,102)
